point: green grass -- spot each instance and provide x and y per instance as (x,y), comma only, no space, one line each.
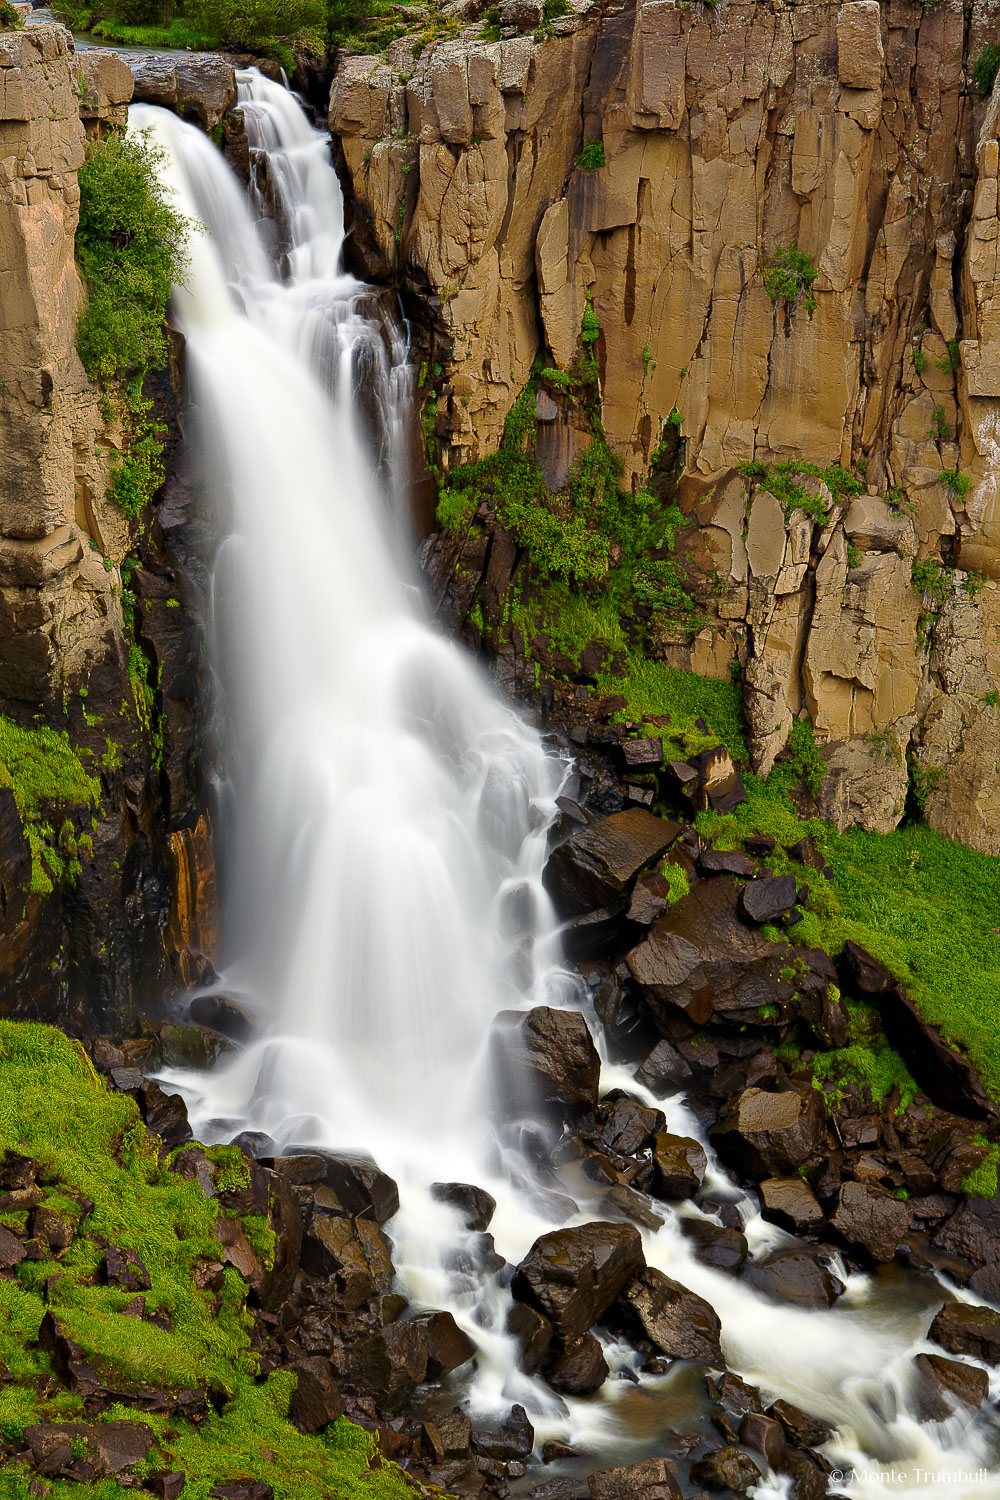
(925,906)
(866,1060)
(47,778)
(982,1180)
(653,689)
(92,1144)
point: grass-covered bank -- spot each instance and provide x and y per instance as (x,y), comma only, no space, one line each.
(101,1176)
(927,907)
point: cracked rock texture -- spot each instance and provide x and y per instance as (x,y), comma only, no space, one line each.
(851,130)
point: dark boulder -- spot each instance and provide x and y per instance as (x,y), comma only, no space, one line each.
(764,1435)
(767,898)
(533,1333)
(973,1231)
(167,1486)
(251,1489)
(599,863)
(962,1329)
(649,900)
(641,755)
(664,1070)
(624,1125)
(724,862)
(511,1442)
(945,1384)
(361,1186)
(719,785)
(475,1204)
(791,1203)
(946,1077)
(794,1279)
(316,1400)
(680,1323)
(165,1114)
(765,1134)
(725,1469)
(579,1368)
(12,1251)
(110,1447)
(544,1057)
(572,1276)
(803,1429)
(702,960)
(448,1436)
(223,1015)
(124,1269)
(870,1219)
(355,1251)
(679,1164)
(723,1249)
(389,1364)
(651,1480)
(448,1346)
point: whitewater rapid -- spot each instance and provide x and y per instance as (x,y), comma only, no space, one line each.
(389,822)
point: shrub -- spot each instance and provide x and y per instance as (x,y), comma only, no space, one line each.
(986,68)
(10,19)
(958,485)
(261,25)
(130,244)
(592,156)
(940,427)
(789,277)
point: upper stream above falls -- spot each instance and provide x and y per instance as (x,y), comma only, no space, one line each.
(389,821)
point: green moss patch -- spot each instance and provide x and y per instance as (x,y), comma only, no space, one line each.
(926,907)
(93,1148)
(47,779)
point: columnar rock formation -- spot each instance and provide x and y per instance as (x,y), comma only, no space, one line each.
(848,130)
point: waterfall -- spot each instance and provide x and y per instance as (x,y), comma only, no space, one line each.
(391,819)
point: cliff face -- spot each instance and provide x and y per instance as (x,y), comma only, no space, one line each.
(727,132)
(97,676)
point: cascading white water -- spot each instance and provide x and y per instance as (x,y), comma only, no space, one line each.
(391,826)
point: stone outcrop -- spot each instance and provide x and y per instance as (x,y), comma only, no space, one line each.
(847,130)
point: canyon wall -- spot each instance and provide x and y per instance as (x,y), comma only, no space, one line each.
(851,131)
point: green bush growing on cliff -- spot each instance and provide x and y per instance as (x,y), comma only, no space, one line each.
(130,245)
(10,18)
(986,67)
(789,275)
(46,777)
(93,1147)
(264,25)
(592,156)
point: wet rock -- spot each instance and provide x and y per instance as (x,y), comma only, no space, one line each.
(475,1204)
(679,1163)
(448,1436)
(165,1114)
(764,1435)
(579,1368)
(664,1069)
(192,1047)
(17,1171)
(361,1186)
(870,1219)
(723,1249)
(973,1232)
(800,1426)
(986,1283)
(389,1364)
(111,1447)
(962,1329)
(725,1469)
(795,1279)
(316,1399)
(735,1394)
(719,785)
(533,1333)
(946,1077)
(791,1203)
(680,1324)
(701,959)
(301,1169)
(641,755)
(767,898)
(943,1384)
(51,1227)
(572,1276)
(544,1056)
(124,1269)
(770,1134)
(625,1203)
(12,1251)
(651,1480)
(355,1251)
(448,1346)
(626,1126)
(200,88)
(223,1015)
(724,862)
(168,1486)
(649,900)
(509,1443)
(808,1479)
(600,862)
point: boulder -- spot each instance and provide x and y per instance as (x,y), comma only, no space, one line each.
(803,1429)
(475,1204)
(449,1436)
(624,1125)
(316,1399)
(679,1164)
(511,1442)
(767,898)
(389,1364)
(724,1249)
(533,1333)
(201,88)
(579,1368)
(544,1057)
(725,1469)
(946,1077)
(600,862)
(794,1279)
(649,900)
(680,1323)
(664,1070)
(219,1013)
(870,1219)
(166,1114)
(724,862)
(12,1251)
(962,1329)
(361,1186)
(719,785)
(111,1447)
(764,1435)
(641,755)
(355,1251)
(448,1346)
(765,1134)
(168,1486)
(125,1269)
(572,1276)
(973,1231)
(792,1204)
(251,1489)
(945,1384)
(653,1479)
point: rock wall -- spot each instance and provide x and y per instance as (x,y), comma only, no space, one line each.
(728,131)
(90,940)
